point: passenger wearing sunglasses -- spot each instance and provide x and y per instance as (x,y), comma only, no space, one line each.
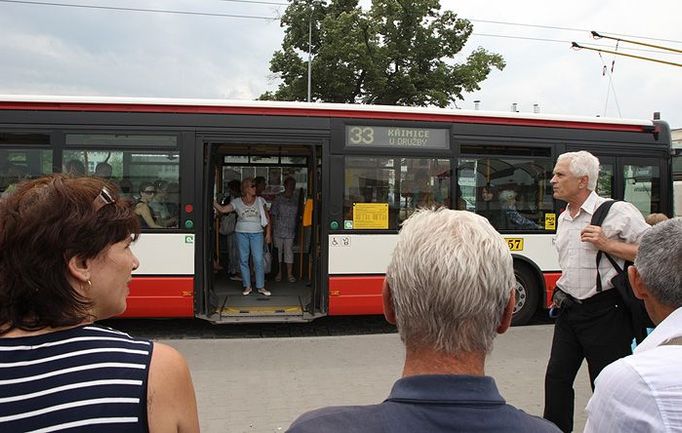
(66,262)
(143,208)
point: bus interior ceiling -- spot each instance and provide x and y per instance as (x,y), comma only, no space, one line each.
(291,299)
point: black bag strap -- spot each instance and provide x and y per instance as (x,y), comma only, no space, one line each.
(598,218)
(599,215)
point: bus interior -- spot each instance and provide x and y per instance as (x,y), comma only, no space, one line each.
(292,299)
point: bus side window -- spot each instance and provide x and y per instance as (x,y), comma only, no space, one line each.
(152,167)
(513,193)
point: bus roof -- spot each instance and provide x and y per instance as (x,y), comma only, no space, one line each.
(281,108)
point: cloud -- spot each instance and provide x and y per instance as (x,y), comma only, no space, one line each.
(92,52)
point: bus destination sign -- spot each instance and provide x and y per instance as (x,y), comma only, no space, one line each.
(390,136)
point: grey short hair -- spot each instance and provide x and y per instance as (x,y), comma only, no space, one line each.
(659,262)
(451,276)
(583,163)
(507,196)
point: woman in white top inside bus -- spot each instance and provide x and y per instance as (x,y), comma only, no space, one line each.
(65,262)
(253,221)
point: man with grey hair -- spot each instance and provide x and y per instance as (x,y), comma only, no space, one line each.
(592,324)
(450,290)
(642,393)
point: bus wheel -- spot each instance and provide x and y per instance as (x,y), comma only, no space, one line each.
(527,295)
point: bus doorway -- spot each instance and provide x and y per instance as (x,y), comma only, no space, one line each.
(294,283)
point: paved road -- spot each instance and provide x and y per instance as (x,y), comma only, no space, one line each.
(325,326)
(261,385)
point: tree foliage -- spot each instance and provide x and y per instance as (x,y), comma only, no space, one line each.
(399,52)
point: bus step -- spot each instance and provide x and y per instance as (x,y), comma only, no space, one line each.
(261,306)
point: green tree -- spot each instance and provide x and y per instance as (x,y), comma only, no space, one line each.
(399,52)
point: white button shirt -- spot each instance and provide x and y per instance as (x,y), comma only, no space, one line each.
(642,393)
(578,259)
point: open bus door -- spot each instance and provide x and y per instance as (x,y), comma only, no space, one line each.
(295,300)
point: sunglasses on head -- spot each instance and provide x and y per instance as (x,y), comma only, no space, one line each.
(103,198)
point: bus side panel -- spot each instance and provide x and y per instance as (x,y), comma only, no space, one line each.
(355,295)
(160,297)
(550,283)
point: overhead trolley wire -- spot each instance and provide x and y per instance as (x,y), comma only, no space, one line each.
(273,18)
(596,35)
(123,9)
(559,41)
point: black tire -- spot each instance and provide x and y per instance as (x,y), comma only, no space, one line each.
(527,294)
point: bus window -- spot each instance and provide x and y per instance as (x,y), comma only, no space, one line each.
(605,181)
(642,187)
(155,171)
(19,162)
(512,193)
(404,183)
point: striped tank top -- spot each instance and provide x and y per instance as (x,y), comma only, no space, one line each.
(83,379)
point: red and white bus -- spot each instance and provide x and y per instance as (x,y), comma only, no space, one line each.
(359,170)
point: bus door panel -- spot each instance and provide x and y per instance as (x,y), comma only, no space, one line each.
(206,300)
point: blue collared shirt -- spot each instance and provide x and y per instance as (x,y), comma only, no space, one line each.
(429,403)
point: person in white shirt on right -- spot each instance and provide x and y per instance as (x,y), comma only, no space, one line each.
(642,393)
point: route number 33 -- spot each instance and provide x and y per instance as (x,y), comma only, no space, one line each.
(361,135)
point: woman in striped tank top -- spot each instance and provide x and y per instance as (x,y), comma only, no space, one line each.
(65,262)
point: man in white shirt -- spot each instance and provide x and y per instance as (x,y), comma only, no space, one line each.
(593,324)
(642,393)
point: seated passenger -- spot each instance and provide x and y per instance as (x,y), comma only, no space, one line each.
(487,205)
(448,307)
(514,220)
(103,170)
(160,206)
(143,210)
(75,167)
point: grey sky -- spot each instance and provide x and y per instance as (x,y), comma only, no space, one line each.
(57,50)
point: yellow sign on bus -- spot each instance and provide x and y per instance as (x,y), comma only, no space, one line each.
(370,215)
(550,221)
(515,244)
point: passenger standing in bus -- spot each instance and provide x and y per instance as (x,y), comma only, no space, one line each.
(143,210)
(66,262)
(283,211)
(233,272)
(252,221)
(450,290)
(595,326)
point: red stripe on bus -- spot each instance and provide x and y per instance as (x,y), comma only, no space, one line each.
(550,283)
(362,295)
(160,297)
(355,295)
(283,111)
